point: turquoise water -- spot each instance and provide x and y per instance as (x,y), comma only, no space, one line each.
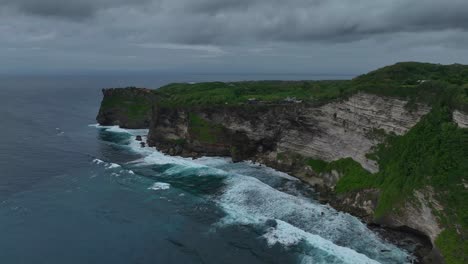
(71,192)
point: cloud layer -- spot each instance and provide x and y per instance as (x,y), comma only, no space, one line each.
(209,29)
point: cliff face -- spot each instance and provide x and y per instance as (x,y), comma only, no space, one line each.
(285,136)
(342,129)
(127,108)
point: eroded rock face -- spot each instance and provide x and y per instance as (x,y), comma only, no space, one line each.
(347,128)
(359,203)
(336,130)
(460,118)
(419,216)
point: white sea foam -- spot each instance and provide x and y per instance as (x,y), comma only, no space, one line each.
(159,158)
(284,234)
(198,167)
(289,235)
(182,165)
(117,129)
(270,171)
(113,166)
(159,186)
(107,165)
(98,161)
(212,161)
(249,201)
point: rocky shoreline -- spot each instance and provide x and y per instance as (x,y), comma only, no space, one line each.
(288,136)
(413,241)
(281,136)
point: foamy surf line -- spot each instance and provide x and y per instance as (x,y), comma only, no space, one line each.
(117,129)
(107,165)
(249,201)
(160,186)
(288,235)
(153,156)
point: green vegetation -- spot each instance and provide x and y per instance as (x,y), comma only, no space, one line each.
(319,166)
(204,131)
(433,153)
(412,73)
(415,82)
(217,93)
(133,105)
(452,246)
(179,141)
(418,82)
(355,177)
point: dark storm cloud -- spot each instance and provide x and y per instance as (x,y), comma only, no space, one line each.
(333,20)
(72,9)
(169,32)
(211,7)
(234,21)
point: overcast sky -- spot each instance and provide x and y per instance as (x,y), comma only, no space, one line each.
(260,36)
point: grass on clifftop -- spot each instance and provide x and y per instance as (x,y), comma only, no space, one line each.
(412,73)
(418,82)
(217,93)
(453,247)
(135,107)
(412,81)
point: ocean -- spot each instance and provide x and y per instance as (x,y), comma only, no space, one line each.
(72,191)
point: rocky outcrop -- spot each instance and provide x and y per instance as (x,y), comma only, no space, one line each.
(461,119)
(419,216)
(360,203)
(126,107)
(423,207)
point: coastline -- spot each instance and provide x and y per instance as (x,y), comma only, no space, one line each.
(416,243)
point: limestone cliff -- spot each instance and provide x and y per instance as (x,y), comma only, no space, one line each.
(330,141)
(336,130)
